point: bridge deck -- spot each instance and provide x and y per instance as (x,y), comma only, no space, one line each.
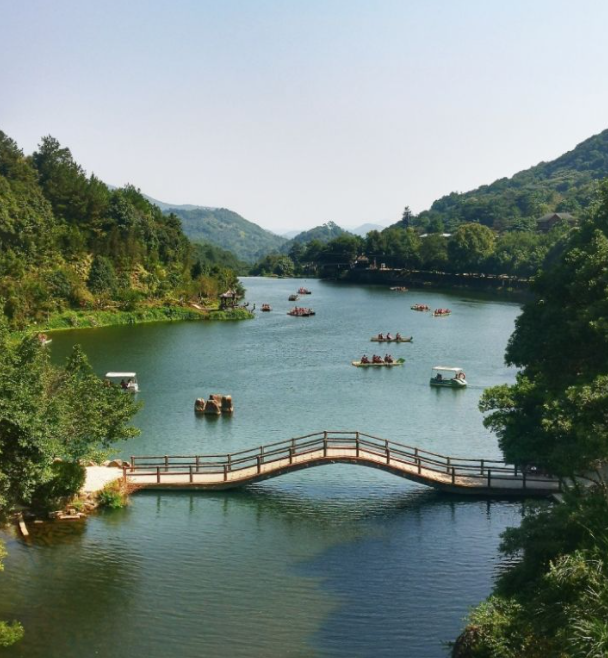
(451,474)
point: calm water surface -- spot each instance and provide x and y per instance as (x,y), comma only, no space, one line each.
(336,561)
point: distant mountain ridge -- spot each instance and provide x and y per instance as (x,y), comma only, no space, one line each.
(226,229)
(168,206)
(566,184)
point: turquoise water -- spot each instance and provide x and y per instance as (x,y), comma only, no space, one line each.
(333,561)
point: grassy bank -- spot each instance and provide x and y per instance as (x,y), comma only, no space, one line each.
(105,318)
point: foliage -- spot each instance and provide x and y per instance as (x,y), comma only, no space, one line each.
(324,233)
(9,632)
(49,412)
(276,264)
(228,230)
(567,184)
(553,601)
(67,241)
(471,246)
(66,479)
(556,414)
(113,496)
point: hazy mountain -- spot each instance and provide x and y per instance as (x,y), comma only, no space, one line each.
(364,229)
(226,229)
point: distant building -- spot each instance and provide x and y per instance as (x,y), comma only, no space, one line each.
(548,221)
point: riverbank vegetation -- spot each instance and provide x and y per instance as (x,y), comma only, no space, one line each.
(554,600)
(51,420)
(67,241)
(472,248)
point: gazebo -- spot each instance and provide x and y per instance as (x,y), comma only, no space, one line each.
(229,299)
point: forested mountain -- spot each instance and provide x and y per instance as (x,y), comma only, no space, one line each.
(566,184)
(323,233)
(228,230)
(68,241)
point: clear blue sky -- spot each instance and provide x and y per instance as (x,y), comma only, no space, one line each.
(294,112)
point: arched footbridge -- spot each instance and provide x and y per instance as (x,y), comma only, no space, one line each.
(483,477)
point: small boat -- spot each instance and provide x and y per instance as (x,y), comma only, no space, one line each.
(128,381)
(293,298)
(304,291)
(266,308)
(400,339)
(420,307)
(441,312)
(399,289)
(455,377)
(301,312)
(396,362)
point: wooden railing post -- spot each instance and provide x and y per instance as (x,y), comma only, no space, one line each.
(158,474)
(448,465)
(453,475)
(515,470)
(482,462)
(132,463)
(166,463)
(357,445)
(226,472)
(324,444)
(489,478)
(291,454)
(191,478)
(523,479)
(259,463)
(230,463)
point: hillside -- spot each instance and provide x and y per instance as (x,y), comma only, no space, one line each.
(324,233)
(67,241)
(565,184)
(228,230)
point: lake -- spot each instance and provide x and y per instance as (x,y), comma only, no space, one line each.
(337,561)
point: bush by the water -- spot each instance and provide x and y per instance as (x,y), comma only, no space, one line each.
(113,496)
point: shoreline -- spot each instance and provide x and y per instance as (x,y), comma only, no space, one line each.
(95,319)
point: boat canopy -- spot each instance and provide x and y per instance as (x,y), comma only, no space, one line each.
(128,375)
(447,369)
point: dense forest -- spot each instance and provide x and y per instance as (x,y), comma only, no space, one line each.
(69,242)
(553,600)
(471,248)
(567,184)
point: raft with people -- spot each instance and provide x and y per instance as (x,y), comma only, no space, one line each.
(441,312)
(420,307)
(298,312)
(304,291)
(377,362)
(266,308)
(293,298)
(387,338)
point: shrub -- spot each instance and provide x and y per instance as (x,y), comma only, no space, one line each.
(113,495)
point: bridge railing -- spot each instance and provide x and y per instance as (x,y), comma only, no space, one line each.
(352,444)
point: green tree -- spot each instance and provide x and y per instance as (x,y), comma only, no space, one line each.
(48,412)
(434,252)
(555,415)
(102,277)
(470,247)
